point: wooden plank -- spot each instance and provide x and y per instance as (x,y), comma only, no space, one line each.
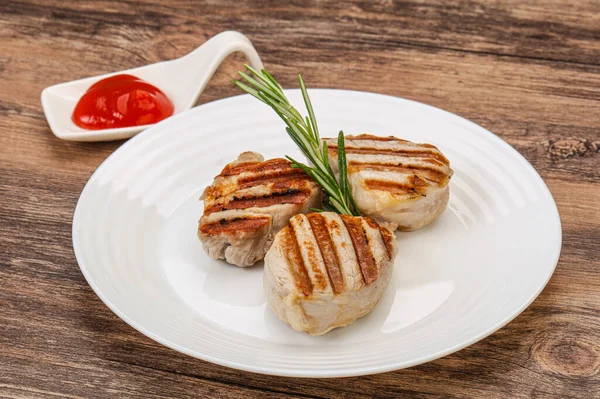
(556,131)
(106,379)
(555,30)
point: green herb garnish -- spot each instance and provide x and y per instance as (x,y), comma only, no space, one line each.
(305,133)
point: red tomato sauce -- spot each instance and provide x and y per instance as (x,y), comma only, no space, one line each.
(121,101)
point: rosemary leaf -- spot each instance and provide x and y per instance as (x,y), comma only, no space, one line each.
(305,134)
(309,107)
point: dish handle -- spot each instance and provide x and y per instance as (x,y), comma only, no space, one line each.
(201,64)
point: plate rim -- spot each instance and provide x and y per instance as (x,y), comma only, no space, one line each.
(357,371)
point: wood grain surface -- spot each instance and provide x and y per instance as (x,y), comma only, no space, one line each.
(527,70)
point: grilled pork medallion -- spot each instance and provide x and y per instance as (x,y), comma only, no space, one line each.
(248,203)
(326,270)
(397,182)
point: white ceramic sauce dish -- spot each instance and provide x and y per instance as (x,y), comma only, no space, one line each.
(182,80)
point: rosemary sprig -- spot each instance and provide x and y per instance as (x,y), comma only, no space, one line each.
(305,133)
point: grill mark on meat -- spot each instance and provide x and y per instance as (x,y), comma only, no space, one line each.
(319,280)
(293,256)
(283,175)
(236,169)
(326,246)
(432,174)
(287,196)
(427,156)
(237,224)
(386,236)
(418,183)
(413,186)
(375,138)
(360,241)
(301,184)
(256,167)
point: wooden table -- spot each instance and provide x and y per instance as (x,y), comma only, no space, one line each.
(528,72)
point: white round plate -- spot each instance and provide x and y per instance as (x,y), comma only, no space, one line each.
(455,282)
